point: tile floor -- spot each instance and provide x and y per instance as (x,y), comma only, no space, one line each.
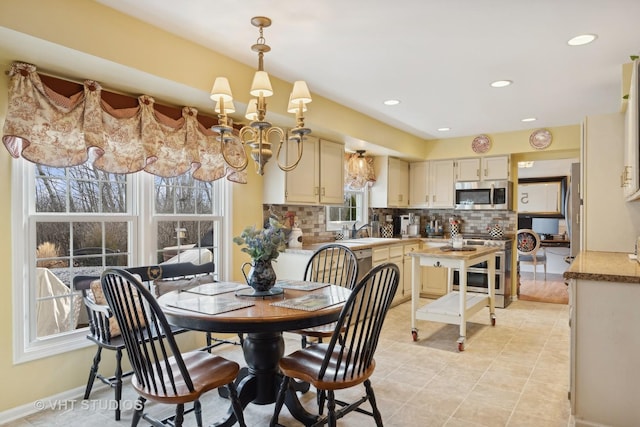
(513,374)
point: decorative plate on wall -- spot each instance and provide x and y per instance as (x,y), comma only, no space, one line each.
(540,139)
(481,144)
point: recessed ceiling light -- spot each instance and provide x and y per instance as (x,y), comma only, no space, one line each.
(501,83)
(391,102)
(444,129)
(582,39)
(529,119)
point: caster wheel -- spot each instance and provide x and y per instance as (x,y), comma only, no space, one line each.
(493,320)
(414,335)
(460,346)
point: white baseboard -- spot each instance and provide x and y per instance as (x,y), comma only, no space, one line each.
(46,402)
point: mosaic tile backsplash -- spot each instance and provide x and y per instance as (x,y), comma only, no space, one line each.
(311,219)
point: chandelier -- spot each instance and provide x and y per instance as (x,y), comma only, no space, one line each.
(259,133)
(359,171)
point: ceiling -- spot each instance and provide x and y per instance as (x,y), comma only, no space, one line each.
(437,57)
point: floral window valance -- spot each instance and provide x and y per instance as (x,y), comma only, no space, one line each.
(58,130)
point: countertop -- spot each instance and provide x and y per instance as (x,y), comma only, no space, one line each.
(354,244)
(438,252)
(604,266)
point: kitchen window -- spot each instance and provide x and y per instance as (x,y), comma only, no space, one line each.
(353,210)
(79,220)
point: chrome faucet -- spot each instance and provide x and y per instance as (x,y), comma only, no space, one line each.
(355,231)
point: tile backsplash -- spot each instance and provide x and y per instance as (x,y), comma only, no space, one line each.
(311,219)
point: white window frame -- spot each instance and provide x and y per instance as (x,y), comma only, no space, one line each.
(142,249)
(362,216)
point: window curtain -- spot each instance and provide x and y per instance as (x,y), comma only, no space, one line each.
(60,130)
(358,171)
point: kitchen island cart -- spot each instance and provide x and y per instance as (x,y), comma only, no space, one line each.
(456,306)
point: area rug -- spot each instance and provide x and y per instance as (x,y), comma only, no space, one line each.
(553,290)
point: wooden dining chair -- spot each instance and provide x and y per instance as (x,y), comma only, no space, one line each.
(161,372)
(102,326)
(334,264)
(347,359)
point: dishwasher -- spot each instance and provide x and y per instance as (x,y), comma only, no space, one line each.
(364,257)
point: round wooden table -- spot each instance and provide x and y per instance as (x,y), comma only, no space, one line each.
(263,345)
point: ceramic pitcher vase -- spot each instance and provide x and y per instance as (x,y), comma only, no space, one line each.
(261,276)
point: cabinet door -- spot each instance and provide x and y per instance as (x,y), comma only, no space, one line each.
(441,183)
(434,281)
(407,276)
(630,181)
(396,256)
(398,185)
(331,172)
(419,185)
(303,182)
(495,168)
(468,170)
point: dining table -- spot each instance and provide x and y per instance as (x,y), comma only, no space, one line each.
(223,307)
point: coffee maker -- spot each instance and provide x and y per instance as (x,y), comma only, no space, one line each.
(406,225)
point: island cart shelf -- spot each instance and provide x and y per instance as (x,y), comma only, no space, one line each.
(456,306)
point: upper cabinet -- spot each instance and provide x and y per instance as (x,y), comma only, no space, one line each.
(318,178)
(431,184)
(392,183)
(630,179)
(483,169)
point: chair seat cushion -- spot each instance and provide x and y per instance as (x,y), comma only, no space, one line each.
(207,372)
(305,365)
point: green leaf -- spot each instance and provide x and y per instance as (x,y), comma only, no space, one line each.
(634,57)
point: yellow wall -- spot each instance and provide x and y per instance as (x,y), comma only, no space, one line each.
(89,28)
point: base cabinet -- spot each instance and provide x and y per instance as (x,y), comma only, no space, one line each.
(434,282)
(605,379)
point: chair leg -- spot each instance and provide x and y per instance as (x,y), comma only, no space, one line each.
(372,400)
(118,379)
(92,373)
(331,409)
(279,401)
(197,408)
(139,409)
(209,341)
(236,405)
(179,418)
(321,397)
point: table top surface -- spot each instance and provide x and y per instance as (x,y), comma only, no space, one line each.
(262,316)
(604,266)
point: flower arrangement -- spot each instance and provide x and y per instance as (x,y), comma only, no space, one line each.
(265,244)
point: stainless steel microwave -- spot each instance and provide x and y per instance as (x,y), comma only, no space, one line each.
(484,195)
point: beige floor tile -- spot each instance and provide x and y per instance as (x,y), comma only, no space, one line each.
(514,374)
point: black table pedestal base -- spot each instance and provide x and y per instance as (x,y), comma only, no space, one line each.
(259,382)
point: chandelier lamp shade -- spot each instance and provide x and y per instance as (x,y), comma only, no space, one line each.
(359,171)
(259,134)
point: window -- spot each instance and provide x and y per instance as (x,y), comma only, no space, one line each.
(79,220)
(354,210)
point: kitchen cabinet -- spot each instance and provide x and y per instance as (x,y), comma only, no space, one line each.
(398,254)
(391,188)
(318,178)
(604,290)
(434,282)
(404,287)
(431,184)
(630,179)
(483,168)
(608,221)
